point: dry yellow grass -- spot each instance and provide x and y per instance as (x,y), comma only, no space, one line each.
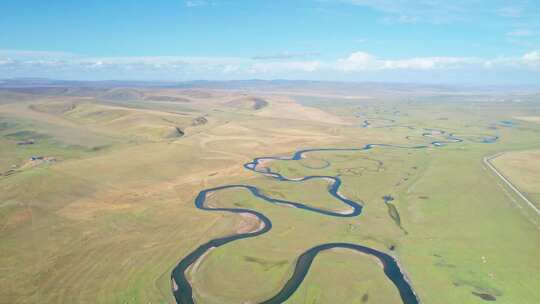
(283,107)
(108,225)
(522,168)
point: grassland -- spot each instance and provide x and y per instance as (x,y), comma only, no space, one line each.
(109,218)
(523,169)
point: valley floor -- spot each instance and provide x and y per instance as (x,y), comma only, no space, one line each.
(98,188)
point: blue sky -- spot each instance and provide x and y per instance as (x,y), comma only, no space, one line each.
(474,41)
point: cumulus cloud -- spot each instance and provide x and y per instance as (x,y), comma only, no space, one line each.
(284,67)
(361,61)
(357,61)
(52,64)
(532,58)
(529,61)
(58,65)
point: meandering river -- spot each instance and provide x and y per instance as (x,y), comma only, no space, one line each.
(182,289)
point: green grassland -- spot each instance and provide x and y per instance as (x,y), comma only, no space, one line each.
(108,220)
(355,279)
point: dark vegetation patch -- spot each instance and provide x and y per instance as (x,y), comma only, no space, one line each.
(393,212)
(6,125)
(54,108)
(483,292)
(99,148)
(166,98)
(104,114)
(197,93)
(365,298)
(178,132)
(201,120)
(265,264)
(123,95)
(26,142)
(8,172)
(273,193)
(25,135)
(259,103)
(485,296)
(248,103)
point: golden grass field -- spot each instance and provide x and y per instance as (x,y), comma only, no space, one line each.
(109,212)
(523,169)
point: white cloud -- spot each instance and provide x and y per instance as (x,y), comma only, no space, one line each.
(357,61)
(195,3)
(230,68)
(429,63)
(361,61)
(533,57)
(285,67)
(529,61)
(6,61)
(28,63)
(286,55)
